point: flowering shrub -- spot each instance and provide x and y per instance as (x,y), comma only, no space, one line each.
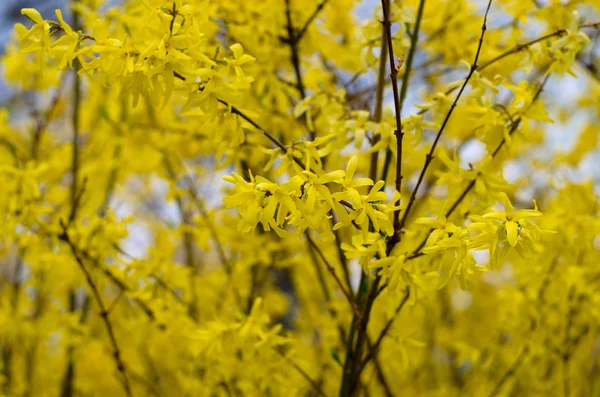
(243,198)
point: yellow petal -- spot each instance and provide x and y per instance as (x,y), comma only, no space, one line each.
(32,14)
(523,214)
(330,177)
(512,232)
(64,25)
(351,168)
(498,215)
(237,50)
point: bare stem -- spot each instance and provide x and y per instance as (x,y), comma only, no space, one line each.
(414,37)
(372,354)
(104,314)
(310,19)
(292,40)
(429,156)
(331,270)
(397,104)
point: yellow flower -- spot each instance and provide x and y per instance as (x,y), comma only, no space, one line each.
(510,218)
(441,227)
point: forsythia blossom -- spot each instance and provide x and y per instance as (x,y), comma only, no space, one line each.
(237,198)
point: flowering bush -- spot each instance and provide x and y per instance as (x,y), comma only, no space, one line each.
(213,198)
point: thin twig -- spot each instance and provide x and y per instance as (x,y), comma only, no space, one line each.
(511,371)
(514,125)
(310,19)
(331,270)
(292,41)
(174,15)
(277,143)
(378,110)
(302,372)
(64,236)
(75,140)
(235,110)
(429,156)
(520,47)
(414,37)
(372,354)
(397,104)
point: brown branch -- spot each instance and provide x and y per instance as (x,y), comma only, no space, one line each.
(520,47)
(310,19)
(405,81)
(103,312)
(238,112)
(331,270)
(417,251)
(75,160)
(397,104)
(429,156)
(277,143)
(118,282)
(302,372)
(292,41)
(511,371)
(372,354)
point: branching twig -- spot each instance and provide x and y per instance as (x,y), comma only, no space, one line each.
(429,156)
(397,104)
(414,37)
(310,19)
(372,354)
(292,40)
(521,47)
(378,110)
(64,236)
(417,251)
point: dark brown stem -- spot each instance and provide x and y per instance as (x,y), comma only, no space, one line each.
(310,19)
(406,77)
(104,314)
(521,47)
(302,372)
(372,354)
(429,156)
(331,270)
(292,40)
(397,105)
(378,110)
